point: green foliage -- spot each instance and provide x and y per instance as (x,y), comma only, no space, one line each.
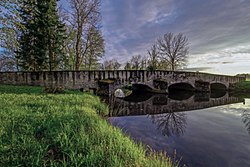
(242,87)
(39,129)
(41,41)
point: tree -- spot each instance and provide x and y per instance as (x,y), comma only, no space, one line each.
(9,31)
(111,65)
(173,50)
(143,63)
(41,41)
(95,49)
(55,33)
(153,62)
(127,66)
(137,62)
(84,19)
(7,63)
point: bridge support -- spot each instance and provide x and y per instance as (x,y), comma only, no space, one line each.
(201,86)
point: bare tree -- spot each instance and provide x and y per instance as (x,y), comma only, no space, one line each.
(173,49)
(7,63)
(153,62)
(135,62)
(10,26)
(170,123)
(111,65)
(85,17)
(127,66)
(95,49)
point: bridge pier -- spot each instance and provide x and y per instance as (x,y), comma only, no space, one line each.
(201,86)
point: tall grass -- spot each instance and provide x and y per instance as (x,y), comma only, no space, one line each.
(38,129)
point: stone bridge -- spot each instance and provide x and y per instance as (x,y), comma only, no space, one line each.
(108,81)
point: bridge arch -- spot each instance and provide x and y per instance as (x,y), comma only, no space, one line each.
(181,86)
(218,86)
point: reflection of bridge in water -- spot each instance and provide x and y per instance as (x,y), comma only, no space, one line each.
(166,112)
(159,104)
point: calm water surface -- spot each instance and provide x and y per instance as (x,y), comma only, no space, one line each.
(204,130)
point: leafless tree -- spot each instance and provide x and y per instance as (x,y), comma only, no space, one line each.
(173,49)
(170,123)
(95,49)
(85,17)
(7,63)
(127,66)
(111,65)
(137,62)
(153,61)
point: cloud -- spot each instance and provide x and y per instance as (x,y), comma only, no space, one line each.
(218,31)
(200,69)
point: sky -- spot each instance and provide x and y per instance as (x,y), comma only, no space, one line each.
(218,30)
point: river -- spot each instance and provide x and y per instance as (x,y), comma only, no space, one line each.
(196,129)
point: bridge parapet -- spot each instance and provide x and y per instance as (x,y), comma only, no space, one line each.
(159,80)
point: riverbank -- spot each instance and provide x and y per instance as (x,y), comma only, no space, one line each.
(39,129)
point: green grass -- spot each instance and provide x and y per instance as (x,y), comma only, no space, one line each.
(39,129)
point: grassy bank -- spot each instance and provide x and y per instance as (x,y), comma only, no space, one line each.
(39,129)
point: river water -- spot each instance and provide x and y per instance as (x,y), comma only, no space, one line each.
(203,129)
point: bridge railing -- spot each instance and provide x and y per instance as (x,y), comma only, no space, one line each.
(74,79)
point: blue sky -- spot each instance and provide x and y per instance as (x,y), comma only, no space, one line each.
(218,30)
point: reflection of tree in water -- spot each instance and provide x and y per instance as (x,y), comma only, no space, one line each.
(246,119)
(115,107)
(170,123)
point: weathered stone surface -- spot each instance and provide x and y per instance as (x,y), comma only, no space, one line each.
(157,80)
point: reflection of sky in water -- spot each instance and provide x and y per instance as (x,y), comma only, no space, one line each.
(236,109)
(215,136)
